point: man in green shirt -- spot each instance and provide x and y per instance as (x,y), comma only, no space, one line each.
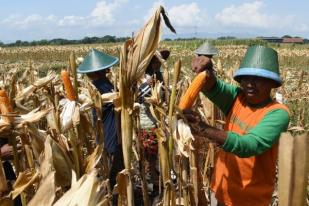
(244,172)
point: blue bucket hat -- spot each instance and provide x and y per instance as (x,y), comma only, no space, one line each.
(96,61)
(260,61)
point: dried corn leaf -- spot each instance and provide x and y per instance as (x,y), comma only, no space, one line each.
(32,117)
(94,158)
(25,93)
(6,201)
(121,186)
(82,192)
(143,47)
(46,192)
(56,158)
(38,138)
(62,164)
(5,128)
(24,180)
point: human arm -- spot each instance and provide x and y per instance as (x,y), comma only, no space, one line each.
(260,138)
(256,141)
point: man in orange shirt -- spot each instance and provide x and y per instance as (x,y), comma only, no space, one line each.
(244,173)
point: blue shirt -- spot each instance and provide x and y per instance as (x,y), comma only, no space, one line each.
(108,117)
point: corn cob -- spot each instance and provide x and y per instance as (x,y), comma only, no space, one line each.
(69,91)
(188,99)
(5,105)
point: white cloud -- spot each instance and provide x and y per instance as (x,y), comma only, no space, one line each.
(102,14)
(20,22)
(72,21)
(251,15)
(186,15)
(104,11)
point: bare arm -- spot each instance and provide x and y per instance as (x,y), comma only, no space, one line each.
(200,128)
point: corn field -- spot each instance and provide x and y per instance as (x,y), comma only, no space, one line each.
(55,155)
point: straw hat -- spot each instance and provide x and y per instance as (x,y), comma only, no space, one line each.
(206,49)
(96,61)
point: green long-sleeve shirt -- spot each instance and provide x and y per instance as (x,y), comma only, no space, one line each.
(258,139)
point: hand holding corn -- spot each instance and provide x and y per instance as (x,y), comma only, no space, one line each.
(201,63)
(205,78)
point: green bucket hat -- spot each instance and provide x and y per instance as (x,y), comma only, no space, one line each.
(206,49)
(96,61)
(260,61)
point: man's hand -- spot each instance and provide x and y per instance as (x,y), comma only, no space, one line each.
(201,63)
(195,122)
(200,128)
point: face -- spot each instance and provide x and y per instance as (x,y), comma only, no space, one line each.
(256,89)
(99,74)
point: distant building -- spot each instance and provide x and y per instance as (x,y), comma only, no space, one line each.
(296,40)
(287,40)
(271,39)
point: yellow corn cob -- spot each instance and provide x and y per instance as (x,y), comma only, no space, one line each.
(188,99)
(69,91)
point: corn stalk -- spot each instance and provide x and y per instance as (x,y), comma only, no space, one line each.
(293,169)
(177,67)
(134,58)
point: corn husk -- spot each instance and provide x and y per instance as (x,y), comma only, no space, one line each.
(183,138)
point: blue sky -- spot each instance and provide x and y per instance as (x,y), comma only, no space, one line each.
(42,19)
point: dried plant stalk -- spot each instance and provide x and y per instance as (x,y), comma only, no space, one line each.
(3,184)
(134,58)
(74,73)
(286,149)
(177,67)
(300,166)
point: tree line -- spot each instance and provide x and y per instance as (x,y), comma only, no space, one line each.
(60,41)
(114,39)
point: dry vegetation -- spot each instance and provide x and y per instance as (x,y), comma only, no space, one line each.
(59,162)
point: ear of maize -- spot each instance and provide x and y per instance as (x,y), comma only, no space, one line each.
(69,91)
(188,99)
(5,105)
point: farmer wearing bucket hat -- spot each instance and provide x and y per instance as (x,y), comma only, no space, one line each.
(245,166)
(96,66)
(147,122)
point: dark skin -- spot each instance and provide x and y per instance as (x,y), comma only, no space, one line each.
(256,89)
(98,75)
